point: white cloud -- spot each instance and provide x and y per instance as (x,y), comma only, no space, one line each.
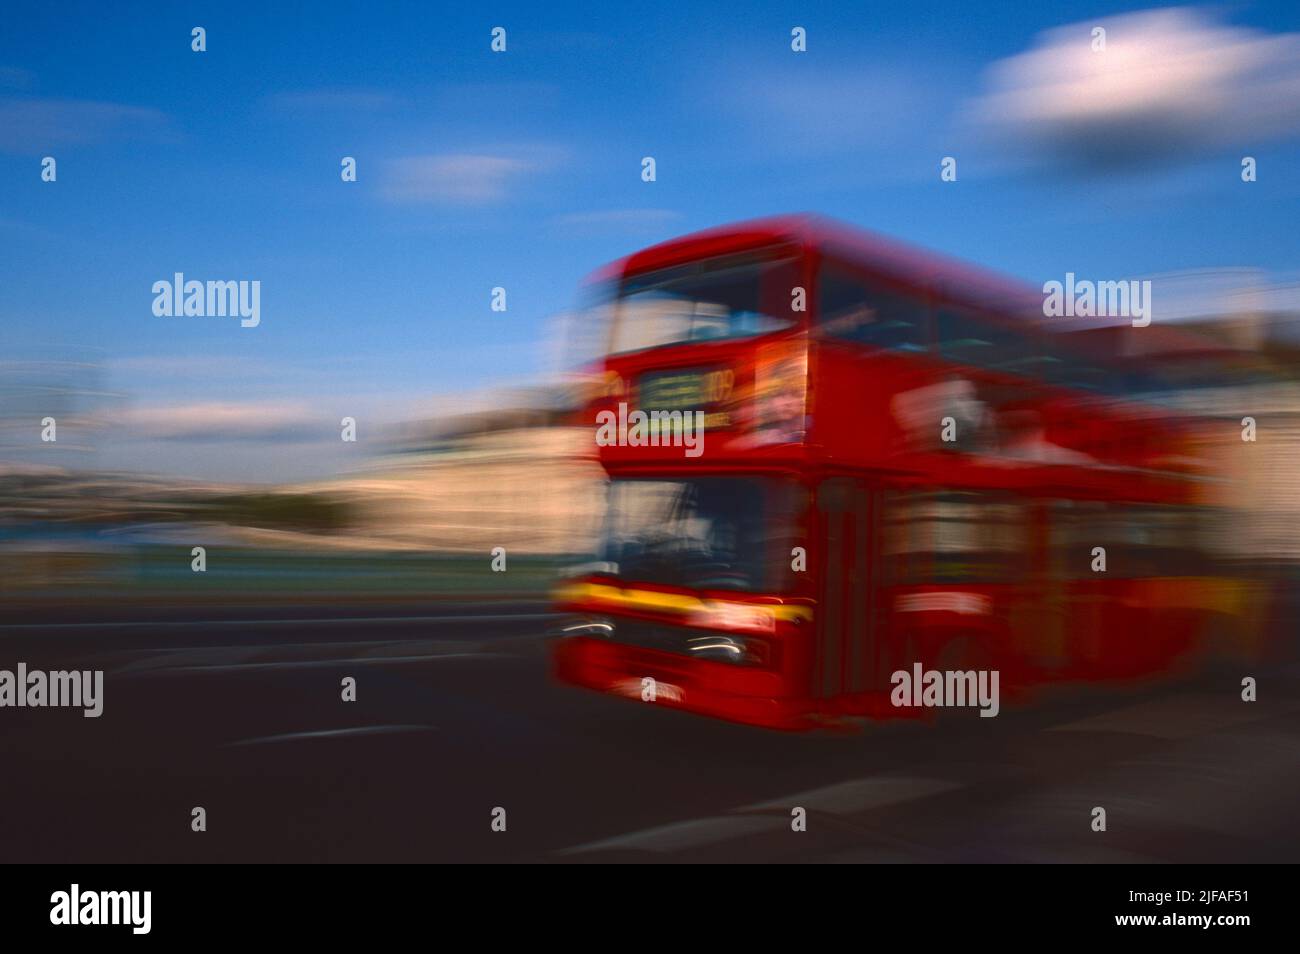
(29,126)
(191,366)
(456,178)
(255,421)
(1170,84)
(332,100)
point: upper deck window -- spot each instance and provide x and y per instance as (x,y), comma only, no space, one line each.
(968,337)
(713,300)
(852,309)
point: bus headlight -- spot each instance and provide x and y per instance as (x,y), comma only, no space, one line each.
(587,626)
(726,648)
(730,649)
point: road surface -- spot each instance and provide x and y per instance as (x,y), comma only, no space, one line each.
(241,713)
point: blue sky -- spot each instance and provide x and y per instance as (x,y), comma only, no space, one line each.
(522,170)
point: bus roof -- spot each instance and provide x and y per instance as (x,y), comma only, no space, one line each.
(904,263)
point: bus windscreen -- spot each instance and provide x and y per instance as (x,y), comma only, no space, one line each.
(720,533)
(741,298)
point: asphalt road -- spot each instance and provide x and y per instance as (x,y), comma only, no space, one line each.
(456,715)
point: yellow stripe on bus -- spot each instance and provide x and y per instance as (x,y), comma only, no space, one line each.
(1205,593)
(670,602)
(1216,594)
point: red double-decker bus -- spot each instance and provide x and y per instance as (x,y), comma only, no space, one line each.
(861,460)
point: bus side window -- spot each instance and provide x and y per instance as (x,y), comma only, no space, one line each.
(903,548)
(851,309)
(1140,540)
(966,337)
(1067,364)
(1166,541)
(956,537)
(1077,527)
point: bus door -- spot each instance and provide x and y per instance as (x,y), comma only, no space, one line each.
(848,657)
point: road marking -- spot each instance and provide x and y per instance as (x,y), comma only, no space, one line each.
(843,798)
(198,656)
(305,664)
(330,621)
(688,834)
(1180,717)
(172,657)
(859,795)
(335,734)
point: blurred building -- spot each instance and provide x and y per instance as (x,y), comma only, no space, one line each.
(69,392)
(521,477)
(1225,367)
